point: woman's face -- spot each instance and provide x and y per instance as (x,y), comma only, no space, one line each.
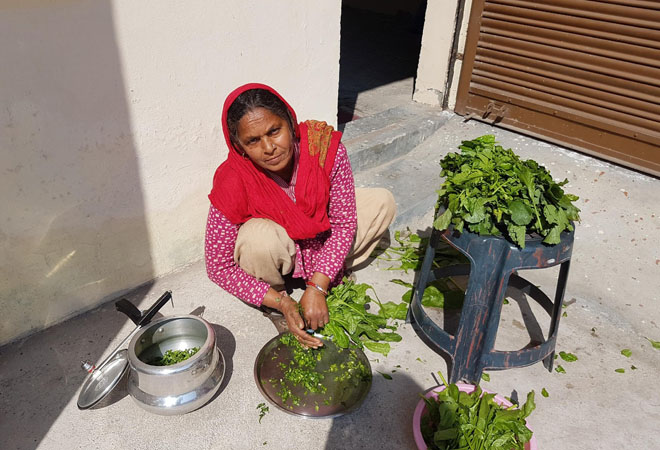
(267,140)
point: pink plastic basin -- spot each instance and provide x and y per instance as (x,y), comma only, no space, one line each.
(469,388)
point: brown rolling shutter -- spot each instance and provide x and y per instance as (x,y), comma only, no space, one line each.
(581,73)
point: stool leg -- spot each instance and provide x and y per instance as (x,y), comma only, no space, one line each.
(556,310)
(481,311)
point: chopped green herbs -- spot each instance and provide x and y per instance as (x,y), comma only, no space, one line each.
(263,409)
(626,352)
(173,357)
(655,344)
(559,369)
(619,370)
(568,357)
(490,191)
(458,420)
(545,393)
(301,371)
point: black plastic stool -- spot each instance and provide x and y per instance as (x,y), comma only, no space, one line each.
(493,262)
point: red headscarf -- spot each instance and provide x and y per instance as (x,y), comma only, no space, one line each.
(242,190)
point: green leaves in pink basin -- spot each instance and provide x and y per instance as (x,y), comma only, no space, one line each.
(490,191)
(458,420)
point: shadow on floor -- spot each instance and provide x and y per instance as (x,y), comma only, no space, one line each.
(377,424)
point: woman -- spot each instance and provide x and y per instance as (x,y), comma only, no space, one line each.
(284,202)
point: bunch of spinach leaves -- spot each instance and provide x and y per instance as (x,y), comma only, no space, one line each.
(350,321)
(490,191)
(458,420)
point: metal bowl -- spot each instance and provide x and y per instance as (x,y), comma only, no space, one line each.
(181,387)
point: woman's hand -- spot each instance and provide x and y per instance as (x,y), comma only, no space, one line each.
(315,308)
(289,309)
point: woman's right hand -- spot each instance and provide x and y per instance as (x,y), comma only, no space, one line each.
(289,308)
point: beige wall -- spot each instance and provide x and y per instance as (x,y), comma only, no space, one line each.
(110,134)
(453,89)
(437,40)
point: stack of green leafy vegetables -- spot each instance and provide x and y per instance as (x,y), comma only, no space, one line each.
(457,420)
(490,191)
(350,321)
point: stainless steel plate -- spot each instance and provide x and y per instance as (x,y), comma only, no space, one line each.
(343,393)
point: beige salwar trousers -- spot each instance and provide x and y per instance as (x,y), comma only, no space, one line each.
(265,251)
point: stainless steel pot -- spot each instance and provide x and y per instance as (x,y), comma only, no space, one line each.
(181,387)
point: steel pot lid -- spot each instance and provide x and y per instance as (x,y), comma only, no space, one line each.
(344,391)
(101,381)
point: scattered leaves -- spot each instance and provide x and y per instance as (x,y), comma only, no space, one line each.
(568,357)
(559,369)
(263,409)
(626,352)
(387,376)
(485,376)
(655,344)
(545,393)
(619,370)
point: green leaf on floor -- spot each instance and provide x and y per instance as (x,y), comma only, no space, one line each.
(560,369)
(485,376)
(626,352)
(619,370)
(568,357)
(385,375)
(545,393)
(655,344)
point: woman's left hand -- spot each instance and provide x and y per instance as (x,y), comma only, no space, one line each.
(315,308)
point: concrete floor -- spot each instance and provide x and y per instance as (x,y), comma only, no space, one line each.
(613,291)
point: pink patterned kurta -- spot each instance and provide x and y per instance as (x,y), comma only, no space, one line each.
(325,253)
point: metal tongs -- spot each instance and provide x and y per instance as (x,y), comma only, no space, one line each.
(139,318)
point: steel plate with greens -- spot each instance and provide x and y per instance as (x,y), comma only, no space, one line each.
(324,382)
